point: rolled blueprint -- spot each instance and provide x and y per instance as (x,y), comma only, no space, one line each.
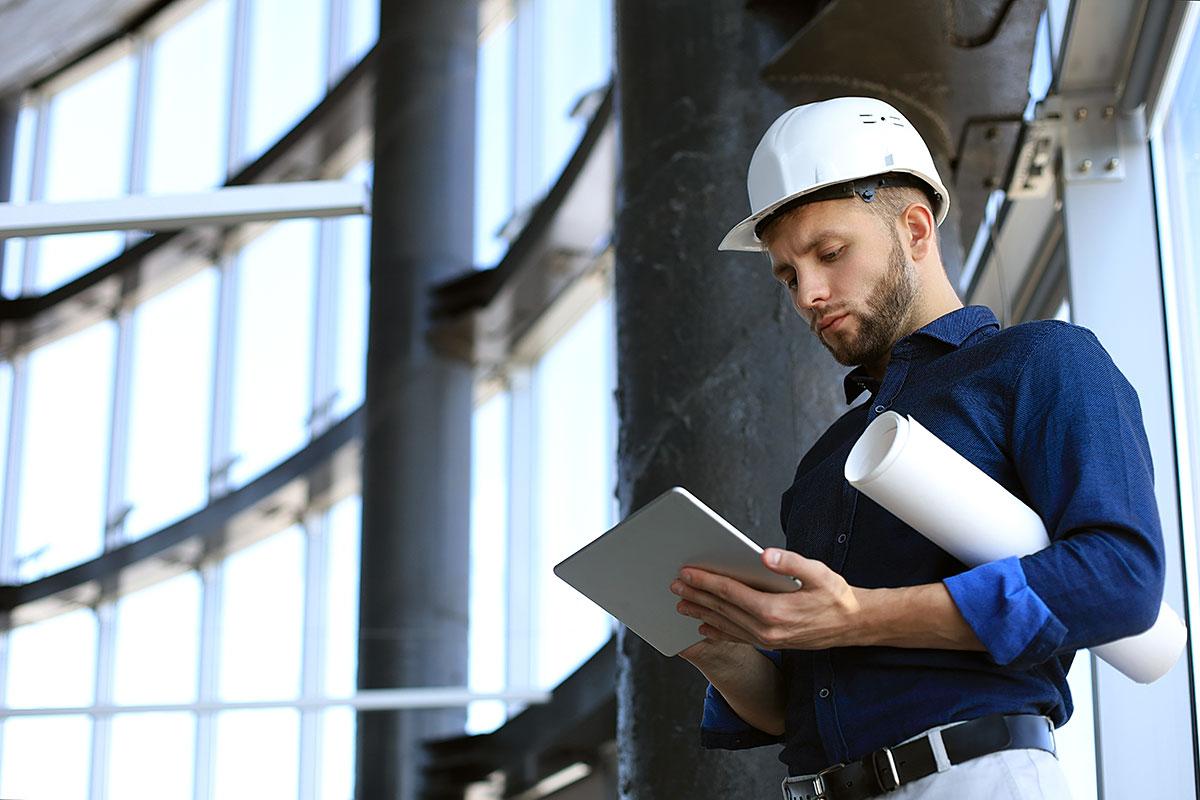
(960,508)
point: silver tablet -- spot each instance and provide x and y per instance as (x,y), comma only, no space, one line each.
(628,570)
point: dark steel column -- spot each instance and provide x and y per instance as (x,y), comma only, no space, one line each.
(10,109)
(416,453)
(721,385)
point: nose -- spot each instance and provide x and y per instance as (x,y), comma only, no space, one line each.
(810,294)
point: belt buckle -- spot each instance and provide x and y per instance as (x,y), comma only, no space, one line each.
(819,781)
(889,781)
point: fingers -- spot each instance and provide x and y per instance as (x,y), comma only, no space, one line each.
(786,562)
(730,592)
(726,616)
(716,626)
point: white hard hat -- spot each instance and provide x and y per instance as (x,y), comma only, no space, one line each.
(819,151)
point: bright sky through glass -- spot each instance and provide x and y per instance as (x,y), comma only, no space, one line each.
(60,516)
(573,489)
(186,139)
(272,377)
(489,637)
(171,403)
(287,67)
(87,157)
(60,506)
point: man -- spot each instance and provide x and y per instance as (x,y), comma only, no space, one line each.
(895,670)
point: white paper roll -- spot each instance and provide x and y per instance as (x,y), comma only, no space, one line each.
(923,481)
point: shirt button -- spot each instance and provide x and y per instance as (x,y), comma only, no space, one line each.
(842,539)
(879,409)
(824,693)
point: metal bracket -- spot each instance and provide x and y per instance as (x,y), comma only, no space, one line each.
(1092,137)
(1033,170)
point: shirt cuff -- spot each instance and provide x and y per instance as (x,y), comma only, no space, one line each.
(722,729)
(1009,617)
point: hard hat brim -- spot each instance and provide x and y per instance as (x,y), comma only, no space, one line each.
(742,237)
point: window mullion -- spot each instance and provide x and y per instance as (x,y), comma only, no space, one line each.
(236,134)
(116,508)
(37,190)
(212,580)
(220,455)
(520,586)
(102,723)
(12,469)
(324,341)
(312,668)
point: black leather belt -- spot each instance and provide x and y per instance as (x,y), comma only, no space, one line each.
(886,769)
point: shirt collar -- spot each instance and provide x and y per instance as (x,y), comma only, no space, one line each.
(952,329)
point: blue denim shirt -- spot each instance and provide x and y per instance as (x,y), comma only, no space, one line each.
(1041,408)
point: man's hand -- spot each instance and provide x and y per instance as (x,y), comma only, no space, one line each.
(824,612)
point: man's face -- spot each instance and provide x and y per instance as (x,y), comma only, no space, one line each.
(839,260)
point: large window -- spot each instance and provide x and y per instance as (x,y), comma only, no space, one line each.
(112,431)
(538,59)
(170,404)
(60,514)
(544,458)
(1176,152)
(543,439)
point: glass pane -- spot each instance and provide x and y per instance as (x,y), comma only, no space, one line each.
(1076,741)
(273,354)
(353,267)
(262,615)
(87,154)
(494,143)
(362,28)
(53,662)
(286,74)
(257,754)
(188,112)
(64,458)
(337,755)
(5,412)
(573,491)
(170,401)
(65,256)
(158,643)
(1179,212)
(46,757)
(341,634)
(14,249)
(152,757)
(573,58)
(87,157)
(489,562)
(22,166)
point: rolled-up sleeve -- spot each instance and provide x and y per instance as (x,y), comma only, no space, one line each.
(722,729)
(1080,450)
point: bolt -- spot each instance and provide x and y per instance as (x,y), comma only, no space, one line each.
(1112,164)
(1080,114)
(1109,111)
(991,133)
(1085,165)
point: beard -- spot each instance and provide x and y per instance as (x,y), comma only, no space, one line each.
(882,323)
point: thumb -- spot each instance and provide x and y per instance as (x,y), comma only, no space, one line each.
(792,564)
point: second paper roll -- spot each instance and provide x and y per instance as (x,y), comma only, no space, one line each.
(924,482)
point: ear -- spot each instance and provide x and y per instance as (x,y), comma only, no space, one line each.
(918,229)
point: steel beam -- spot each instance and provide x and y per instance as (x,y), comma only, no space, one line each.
(228,206)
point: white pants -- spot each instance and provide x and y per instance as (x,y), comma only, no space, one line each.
(1005,775)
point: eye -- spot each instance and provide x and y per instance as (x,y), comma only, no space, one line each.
(832,255)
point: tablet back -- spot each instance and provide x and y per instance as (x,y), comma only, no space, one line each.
(628,570)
